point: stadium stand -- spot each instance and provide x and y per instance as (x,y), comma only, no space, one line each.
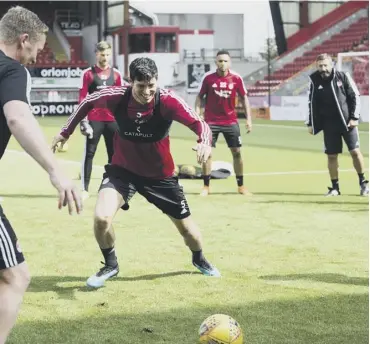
(354,38)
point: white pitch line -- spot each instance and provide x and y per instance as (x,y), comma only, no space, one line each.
(292,172)
(293,127)
(280,126)
(277,173)
(67,162)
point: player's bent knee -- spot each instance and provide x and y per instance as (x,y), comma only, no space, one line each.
(108,203)
(236,154)
(18,277)
(187,227)
(102,222)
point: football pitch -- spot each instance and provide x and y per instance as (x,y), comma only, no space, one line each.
(294,264)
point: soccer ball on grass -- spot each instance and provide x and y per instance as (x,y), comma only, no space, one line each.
(220,329)
(62,149)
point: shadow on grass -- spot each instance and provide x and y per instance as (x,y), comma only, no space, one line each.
(326,278)
(334,319)
(289,194)
(55,283)
(277,145)
(299,198)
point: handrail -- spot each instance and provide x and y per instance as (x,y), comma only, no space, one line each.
(325,22)
(60,35)
(68,15)
(208,54)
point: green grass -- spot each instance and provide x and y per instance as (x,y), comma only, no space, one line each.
(294,264)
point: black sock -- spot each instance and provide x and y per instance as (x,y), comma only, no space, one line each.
(239,180)
(361,177)
(335,184)
(110,256)
(206,180)
(199,259)
(197,255)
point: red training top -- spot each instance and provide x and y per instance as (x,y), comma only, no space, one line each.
(134,148)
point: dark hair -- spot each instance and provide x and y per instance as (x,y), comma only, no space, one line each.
(223,52)
(143,69)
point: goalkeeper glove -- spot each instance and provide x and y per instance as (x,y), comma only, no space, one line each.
(86,129)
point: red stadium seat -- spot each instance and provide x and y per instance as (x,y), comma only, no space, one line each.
(355,37)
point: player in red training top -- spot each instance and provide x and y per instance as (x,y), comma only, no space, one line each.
(221,89)
(142,161)
(100,120)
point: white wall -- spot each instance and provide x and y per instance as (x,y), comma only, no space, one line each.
(228,31)
(227,27)
(195,42)
(90,38)
(296,109)
(257,16)
(365,108)
(290,109)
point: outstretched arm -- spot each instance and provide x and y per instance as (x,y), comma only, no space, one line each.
(242,92)
(247,113)
(353,98)
(109,96)
(14,99)
(15,87)
(309,121)
(198,105)
(181,112)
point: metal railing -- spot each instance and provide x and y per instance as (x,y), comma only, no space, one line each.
(289,57)
(209,54)
(69,16)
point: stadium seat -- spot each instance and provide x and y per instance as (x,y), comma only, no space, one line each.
(353,38)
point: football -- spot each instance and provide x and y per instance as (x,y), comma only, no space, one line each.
(220,329)
(62,149)
(176,172)
(188,171)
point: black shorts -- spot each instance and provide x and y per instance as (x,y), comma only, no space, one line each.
(334,144)
(10,252)
(231,134)
(166,194)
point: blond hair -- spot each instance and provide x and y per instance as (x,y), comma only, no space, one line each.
(18,21)
(103,45)
(323,57)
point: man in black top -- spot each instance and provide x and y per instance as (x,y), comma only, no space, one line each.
(22,36)
(334,108)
